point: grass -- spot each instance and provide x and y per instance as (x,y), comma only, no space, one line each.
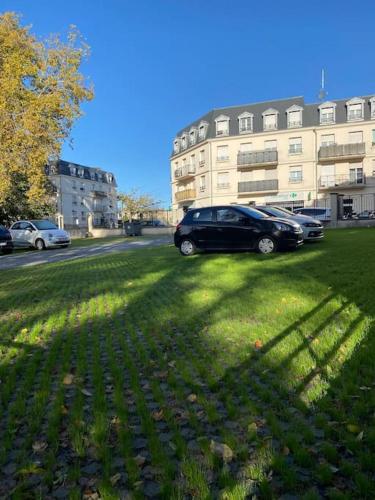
(130,372)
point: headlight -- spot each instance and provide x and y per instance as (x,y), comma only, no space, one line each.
(283,227)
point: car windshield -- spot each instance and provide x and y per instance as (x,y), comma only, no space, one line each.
(252,212)
(43,224)
(275,212)
(285,210)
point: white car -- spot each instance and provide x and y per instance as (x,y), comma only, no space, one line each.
(39,234)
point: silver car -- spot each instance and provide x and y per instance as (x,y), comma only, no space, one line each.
(312,228)
(39,234)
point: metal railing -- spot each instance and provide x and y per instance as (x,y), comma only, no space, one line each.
(327,118)
(184,171)
(345,180)
(296,123)
(270,126)
(342,151)
(222,132)
(355,115)
(257,157)
(258,186)
(186,194)
(100,194)
(356,207)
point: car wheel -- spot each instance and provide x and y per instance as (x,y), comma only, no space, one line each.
(266,244)
(187,248)
(39,244)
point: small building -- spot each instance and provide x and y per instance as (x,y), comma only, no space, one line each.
(82,190)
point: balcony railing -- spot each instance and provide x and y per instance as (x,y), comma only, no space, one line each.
(342,151)
(186,194)
(202,162)
(327,118)
(258,186)
(270,126)
(185,171)
(222,132)
(355,180)
(256,158)
(295,123)
(355,115)
(100,194)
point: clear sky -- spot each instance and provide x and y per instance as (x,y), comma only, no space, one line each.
(158,64)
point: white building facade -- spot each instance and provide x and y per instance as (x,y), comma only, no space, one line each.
(82,190)
(276,152)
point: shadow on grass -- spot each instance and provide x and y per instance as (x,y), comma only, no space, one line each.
(147,324)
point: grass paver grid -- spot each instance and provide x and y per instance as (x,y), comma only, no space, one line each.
(119,375)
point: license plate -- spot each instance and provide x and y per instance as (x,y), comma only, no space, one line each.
(2,244)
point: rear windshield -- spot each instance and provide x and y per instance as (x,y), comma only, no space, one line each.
(43,224)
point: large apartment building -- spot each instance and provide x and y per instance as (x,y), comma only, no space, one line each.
(280,152)
(81,191)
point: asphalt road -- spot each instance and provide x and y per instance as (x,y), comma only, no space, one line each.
(34,258)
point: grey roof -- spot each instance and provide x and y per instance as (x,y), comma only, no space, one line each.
(310,116)
(62,167)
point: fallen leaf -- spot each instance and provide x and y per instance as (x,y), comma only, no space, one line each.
(158,415)
(360,436)
(39,446)
(115,479)
(251,428)
(172,364)
(192,398)
(333,469)
(64,410)
(24,331)
(140,460)
(258,344)
(68,379)
(86,392)
(353,428)
(221,450)
(365,388)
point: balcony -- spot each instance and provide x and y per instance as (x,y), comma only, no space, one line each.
(342,152)
(254,159)
(184,172)
(266,186)
(185,195)
(346,181)
(100,194)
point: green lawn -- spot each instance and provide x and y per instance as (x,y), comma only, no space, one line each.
(130,372)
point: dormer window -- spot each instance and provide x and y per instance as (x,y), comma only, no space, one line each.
(372,108)
(192,136)
(270,118)
(183,142)
(73,170)
(202,130)
(176,146)
(327,112)
(355,109)
(222,125)
(294,114)
(245,123)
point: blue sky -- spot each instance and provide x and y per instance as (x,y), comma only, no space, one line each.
(158,64)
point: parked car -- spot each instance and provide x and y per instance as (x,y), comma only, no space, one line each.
(6,243)
(231,227)
(322,214)
(39,234)
(312,228)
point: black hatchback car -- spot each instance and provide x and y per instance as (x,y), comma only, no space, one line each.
(6,243)
(233,228)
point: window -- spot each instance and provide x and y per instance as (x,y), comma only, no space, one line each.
(193,136)
(295,145)
(355,137)
(372,108)
(327,140)
(223,180)
(228,215)
(245,123)
(327,112)
(74,185)
(204,215)
(176,146)
(294,114)
(202,183)
(82,188)
(202,130)
(295,174)
(373,137)
(183,162)
(73,170)
(270,119)
(270,145)
(202,157)
(222,125)
(222,153)
(356,173)
(355,108)
(81,172)
(245,147)
(192,161)
(183,142)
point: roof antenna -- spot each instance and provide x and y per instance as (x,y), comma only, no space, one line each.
(322,93)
